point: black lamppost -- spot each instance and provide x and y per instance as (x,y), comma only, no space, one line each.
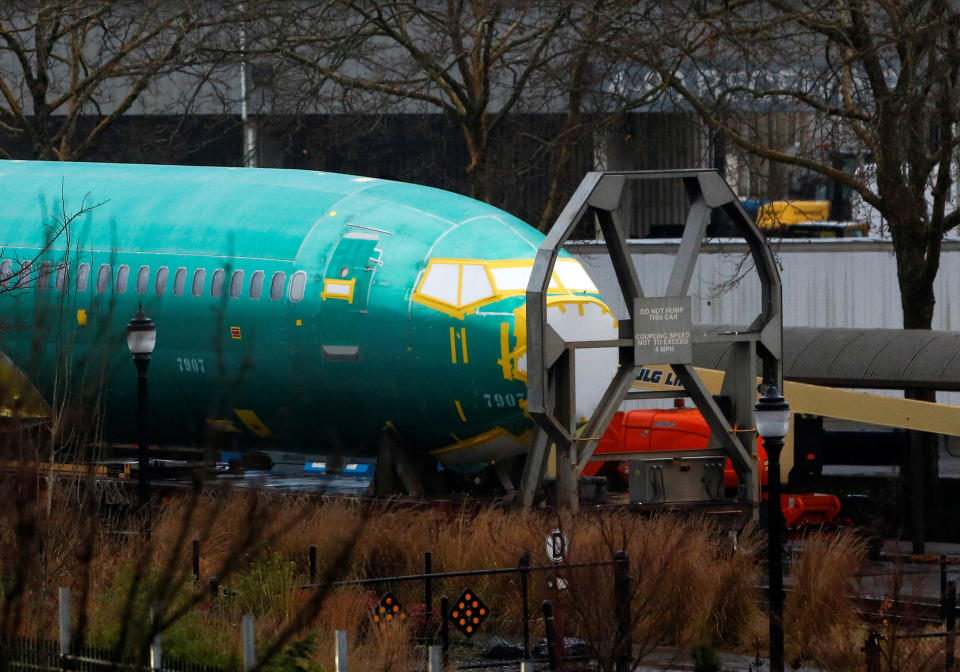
(141,339)
(772,415)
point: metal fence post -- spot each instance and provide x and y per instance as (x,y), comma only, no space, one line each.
(444,626)
(550,635)
(64,600)
(249,652)
(428,593)
(214,587)
(524,596)
(872,650)
(156,646)
(196,559)
(340,651)
(943,584)
(621,595)
(950,610)
(436,659)
(313,564)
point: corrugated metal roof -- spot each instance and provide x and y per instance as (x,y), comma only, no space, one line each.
(865,358)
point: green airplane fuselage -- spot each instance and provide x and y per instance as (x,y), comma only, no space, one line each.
(294,308)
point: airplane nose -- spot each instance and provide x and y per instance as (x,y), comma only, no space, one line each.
(595,367)
(581,317)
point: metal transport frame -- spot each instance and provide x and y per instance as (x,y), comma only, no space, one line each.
(551,361)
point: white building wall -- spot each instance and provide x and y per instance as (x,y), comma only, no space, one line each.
(831,283)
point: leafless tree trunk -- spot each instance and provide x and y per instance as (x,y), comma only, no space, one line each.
(858,74)
(878,78)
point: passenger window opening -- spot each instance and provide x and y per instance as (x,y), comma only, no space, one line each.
(256,285)
(123,275)
(199,277)
(23,278)
(43,277)
(6,270)
(298,284)
(143,280)
(179,281)
(216,283)
(83,277)
(236,284)
(163,273)
(344,272)
(103,278)
(276,285)
(61,278)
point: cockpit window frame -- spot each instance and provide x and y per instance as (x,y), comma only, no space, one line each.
(439,293)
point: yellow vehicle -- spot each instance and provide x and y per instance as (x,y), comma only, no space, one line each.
(805,218)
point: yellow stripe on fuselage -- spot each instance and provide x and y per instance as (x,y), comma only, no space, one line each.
(253,423)
(480,439)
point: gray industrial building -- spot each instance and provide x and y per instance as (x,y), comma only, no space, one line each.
(832,283)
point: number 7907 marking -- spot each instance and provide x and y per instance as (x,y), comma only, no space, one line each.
(498,400)
(191,365)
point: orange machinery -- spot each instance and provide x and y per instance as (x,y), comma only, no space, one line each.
(685,429)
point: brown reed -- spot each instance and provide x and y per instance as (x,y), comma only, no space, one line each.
(690,587)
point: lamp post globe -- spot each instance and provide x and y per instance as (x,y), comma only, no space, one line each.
(141,336)
(772,417)
(772,414)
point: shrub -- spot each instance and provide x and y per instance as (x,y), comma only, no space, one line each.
(821,621)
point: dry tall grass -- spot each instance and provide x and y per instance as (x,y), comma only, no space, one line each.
(257,548)
(821,621)
(690,587)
